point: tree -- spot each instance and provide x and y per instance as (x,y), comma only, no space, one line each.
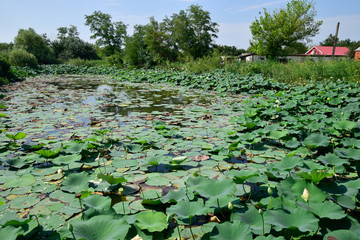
(192,31)
(272,32)
(110,35)
(229,50)
(68,45)
(33,43)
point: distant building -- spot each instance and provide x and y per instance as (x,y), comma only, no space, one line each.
(327,51)
(357,54)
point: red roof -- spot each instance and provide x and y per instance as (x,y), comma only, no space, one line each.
(325,50)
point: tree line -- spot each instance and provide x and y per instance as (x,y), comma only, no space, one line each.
(184,36)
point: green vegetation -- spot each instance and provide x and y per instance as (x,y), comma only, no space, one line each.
(22,58)
(283,28)
(134,155)
(35,44)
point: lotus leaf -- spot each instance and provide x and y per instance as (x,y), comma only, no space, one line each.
(187,209)
(299,219)
(24,202)
(234,231)
(210,188)
(98,202)
(17,136)
(76,182)
(111,179)
(66,159)
(10,232)
(332,160)
(350,153)
(101,227)
(316,140)
(315,176)
(342,234)
(151,221)
(345,125)
(253,219)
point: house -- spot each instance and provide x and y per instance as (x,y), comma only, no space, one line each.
(327,51)
(251,57)
(357,54)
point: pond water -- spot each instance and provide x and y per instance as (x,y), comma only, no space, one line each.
(124,99)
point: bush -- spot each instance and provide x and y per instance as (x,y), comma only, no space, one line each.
(20,57)
(35,44)
(6,74)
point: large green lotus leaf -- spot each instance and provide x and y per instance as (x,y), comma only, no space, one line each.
(17,136)
(350,153)
(278,134)
(10,232)
(216,188)
(315,176)
(299,218)
(76,147)
(187,209)
(341,235)
(176,196)
(292,144)
(133,148)
(48,153)
(151,221)
(16,162)
(345,125)
(76,182)
(24,202)
(157,181)
(325,209)
(66,159)
(101,227)
(332,160)
(252,218)
(242,175)
(97,202)
(22,181)
(233,231)
(351,142)
(288,163)
(316,140)
(111,179)
(316,195)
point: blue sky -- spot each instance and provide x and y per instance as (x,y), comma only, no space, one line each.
(233,16)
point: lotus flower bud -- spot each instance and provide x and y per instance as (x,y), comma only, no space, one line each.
(260,211)
(269,190)
(306,195)
(230,206)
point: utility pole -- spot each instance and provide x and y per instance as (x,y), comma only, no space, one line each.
(335,40)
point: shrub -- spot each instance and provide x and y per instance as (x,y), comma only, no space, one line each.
(35,44)
(20,57)
(6,74)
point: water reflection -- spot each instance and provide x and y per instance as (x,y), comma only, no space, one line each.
(124,99)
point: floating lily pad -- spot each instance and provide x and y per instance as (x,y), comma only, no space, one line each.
(151,221)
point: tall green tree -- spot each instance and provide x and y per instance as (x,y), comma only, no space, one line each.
(272,32)
(68,45)
(193,31)
(33,43)
(109,35)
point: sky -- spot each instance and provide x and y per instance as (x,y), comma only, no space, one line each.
(233,16)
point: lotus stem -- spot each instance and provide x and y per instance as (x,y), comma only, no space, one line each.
(192,234)
(178,229)
(263,224)
(218,203)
